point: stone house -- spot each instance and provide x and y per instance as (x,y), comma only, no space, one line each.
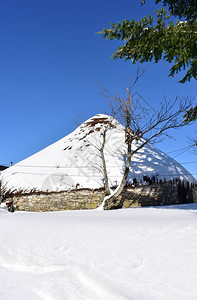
(68,174)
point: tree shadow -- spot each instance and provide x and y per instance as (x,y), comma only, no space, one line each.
(188,206)
(151,161)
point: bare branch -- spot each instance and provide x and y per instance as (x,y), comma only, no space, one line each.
(78,121)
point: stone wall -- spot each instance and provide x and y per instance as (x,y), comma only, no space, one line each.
(195,194)
(89,199)
(68,200)
(149,195)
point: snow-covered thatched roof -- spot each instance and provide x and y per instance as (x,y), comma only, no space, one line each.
(74,161)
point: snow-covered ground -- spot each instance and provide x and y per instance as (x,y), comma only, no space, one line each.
(138,253)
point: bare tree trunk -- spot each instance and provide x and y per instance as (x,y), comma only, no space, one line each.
(124,179)
(128,139)
(106,183)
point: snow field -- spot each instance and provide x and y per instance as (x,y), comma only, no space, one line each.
(137,253)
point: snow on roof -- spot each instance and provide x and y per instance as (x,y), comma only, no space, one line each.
(74,161)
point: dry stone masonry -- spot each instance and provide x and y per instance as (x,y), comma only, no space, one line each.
(147,195)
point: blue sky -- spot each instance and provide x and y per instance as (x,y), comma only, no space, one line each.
(50,57)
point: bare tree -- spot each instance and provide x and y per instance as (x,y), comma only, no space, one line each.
(100,152)
(141,125)
(99,145)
